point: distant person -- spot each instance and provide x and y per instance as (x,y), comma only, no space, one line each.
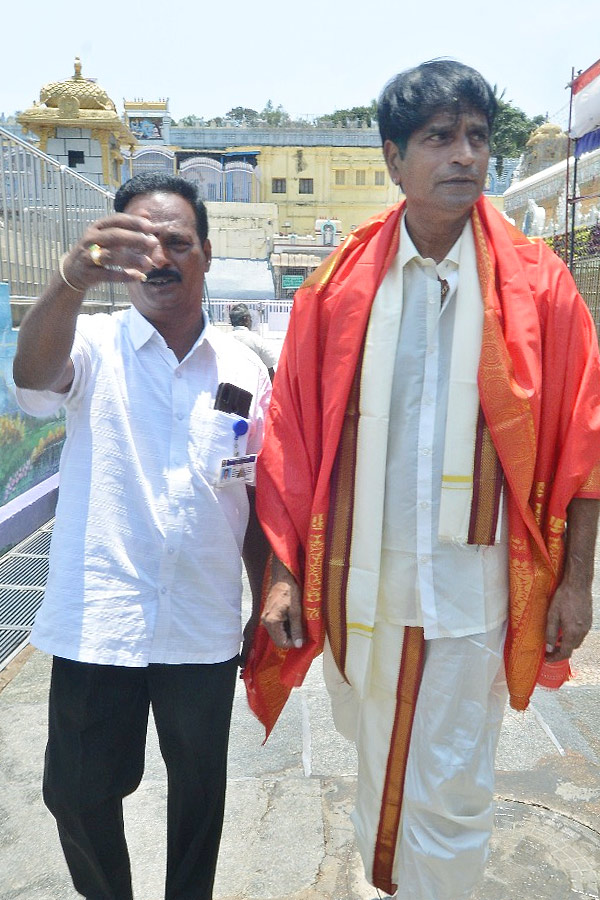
(241,319)
(143,601)
(429,484)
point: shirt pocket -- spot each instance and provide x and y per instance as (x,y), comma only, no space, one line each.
(215,440)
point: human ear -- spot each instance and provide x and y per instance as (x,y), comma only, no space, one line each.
(393,160)
(207,250)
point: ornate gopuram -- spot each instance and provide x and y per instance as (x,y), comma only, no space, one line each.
(77,123)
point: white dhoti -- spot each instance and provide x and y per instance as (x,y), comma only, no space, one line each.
(447,803)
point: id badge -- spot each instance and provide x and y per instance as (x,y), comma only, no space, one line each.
(238,470)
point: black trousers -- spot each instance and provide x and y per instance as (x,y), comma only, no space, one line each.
(98,718)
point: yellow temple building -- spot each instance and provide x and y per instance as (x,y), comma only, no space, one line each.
(285,194)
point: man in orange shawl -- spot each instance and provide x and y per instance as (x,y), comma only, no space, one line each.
(429,484)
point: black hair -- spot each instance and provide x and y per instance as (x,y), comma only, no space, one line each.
(409,99)
(160,182)
(240,314)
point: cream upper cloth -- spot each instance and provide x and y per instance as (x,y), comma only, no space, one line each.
(463,399)
(486,570)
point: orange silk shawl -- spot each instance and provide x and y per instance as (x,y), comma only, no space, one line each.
(539,387)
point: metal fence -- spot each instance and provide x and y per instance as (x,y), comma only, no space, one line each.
(44,209)
(272,313)
(23,573)
(586,272)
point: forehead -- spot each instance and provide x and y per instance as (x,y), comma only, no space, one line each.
(449,118)
(164,209)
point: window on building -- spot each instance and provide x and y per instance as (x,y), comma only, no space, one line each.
(340,176)
(380,178)
(278,186)
(361,177)
(306,186)
(76,158)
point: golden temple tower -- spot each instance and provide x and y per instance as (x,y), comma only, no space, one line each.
(77,123)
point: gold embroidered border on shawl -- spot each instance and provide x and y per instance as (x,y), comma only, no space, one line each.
(531,570)
(409,680)
(339,535)
(487,487)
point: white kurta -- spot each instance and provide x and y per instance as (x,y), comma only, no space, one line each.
(449,588)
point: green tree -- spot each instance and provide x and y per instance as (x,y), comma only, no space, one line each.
(190,121)
(274,117)
(241,115)
(512,130)
(355,117)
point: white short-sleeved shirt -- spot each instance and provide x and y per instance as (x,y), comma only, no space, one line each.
(449,589)
(145,562)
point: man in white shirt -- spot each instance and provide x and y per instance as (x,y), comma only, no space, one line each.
(241,319)
(415,484)
(143,600)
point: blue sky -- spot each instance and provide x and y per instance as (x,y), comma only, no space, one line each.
(311,57)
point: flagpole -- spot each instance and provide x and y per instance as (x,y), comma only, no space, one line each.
(566,250)
(574,200)
(584,121)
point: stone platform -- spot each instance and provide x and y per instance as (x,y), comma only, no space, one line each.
(287,830)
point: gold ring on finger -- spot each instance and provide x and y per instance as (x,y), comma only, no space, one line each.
(95,251)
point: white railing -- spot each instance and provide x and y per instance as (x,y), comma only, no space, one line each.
(267,315)
(44,209)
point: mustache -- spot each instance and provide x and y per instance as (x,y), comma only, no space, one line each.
(156,274)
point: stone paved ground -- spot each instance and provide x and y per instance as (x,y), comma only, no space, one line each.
(287,830)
